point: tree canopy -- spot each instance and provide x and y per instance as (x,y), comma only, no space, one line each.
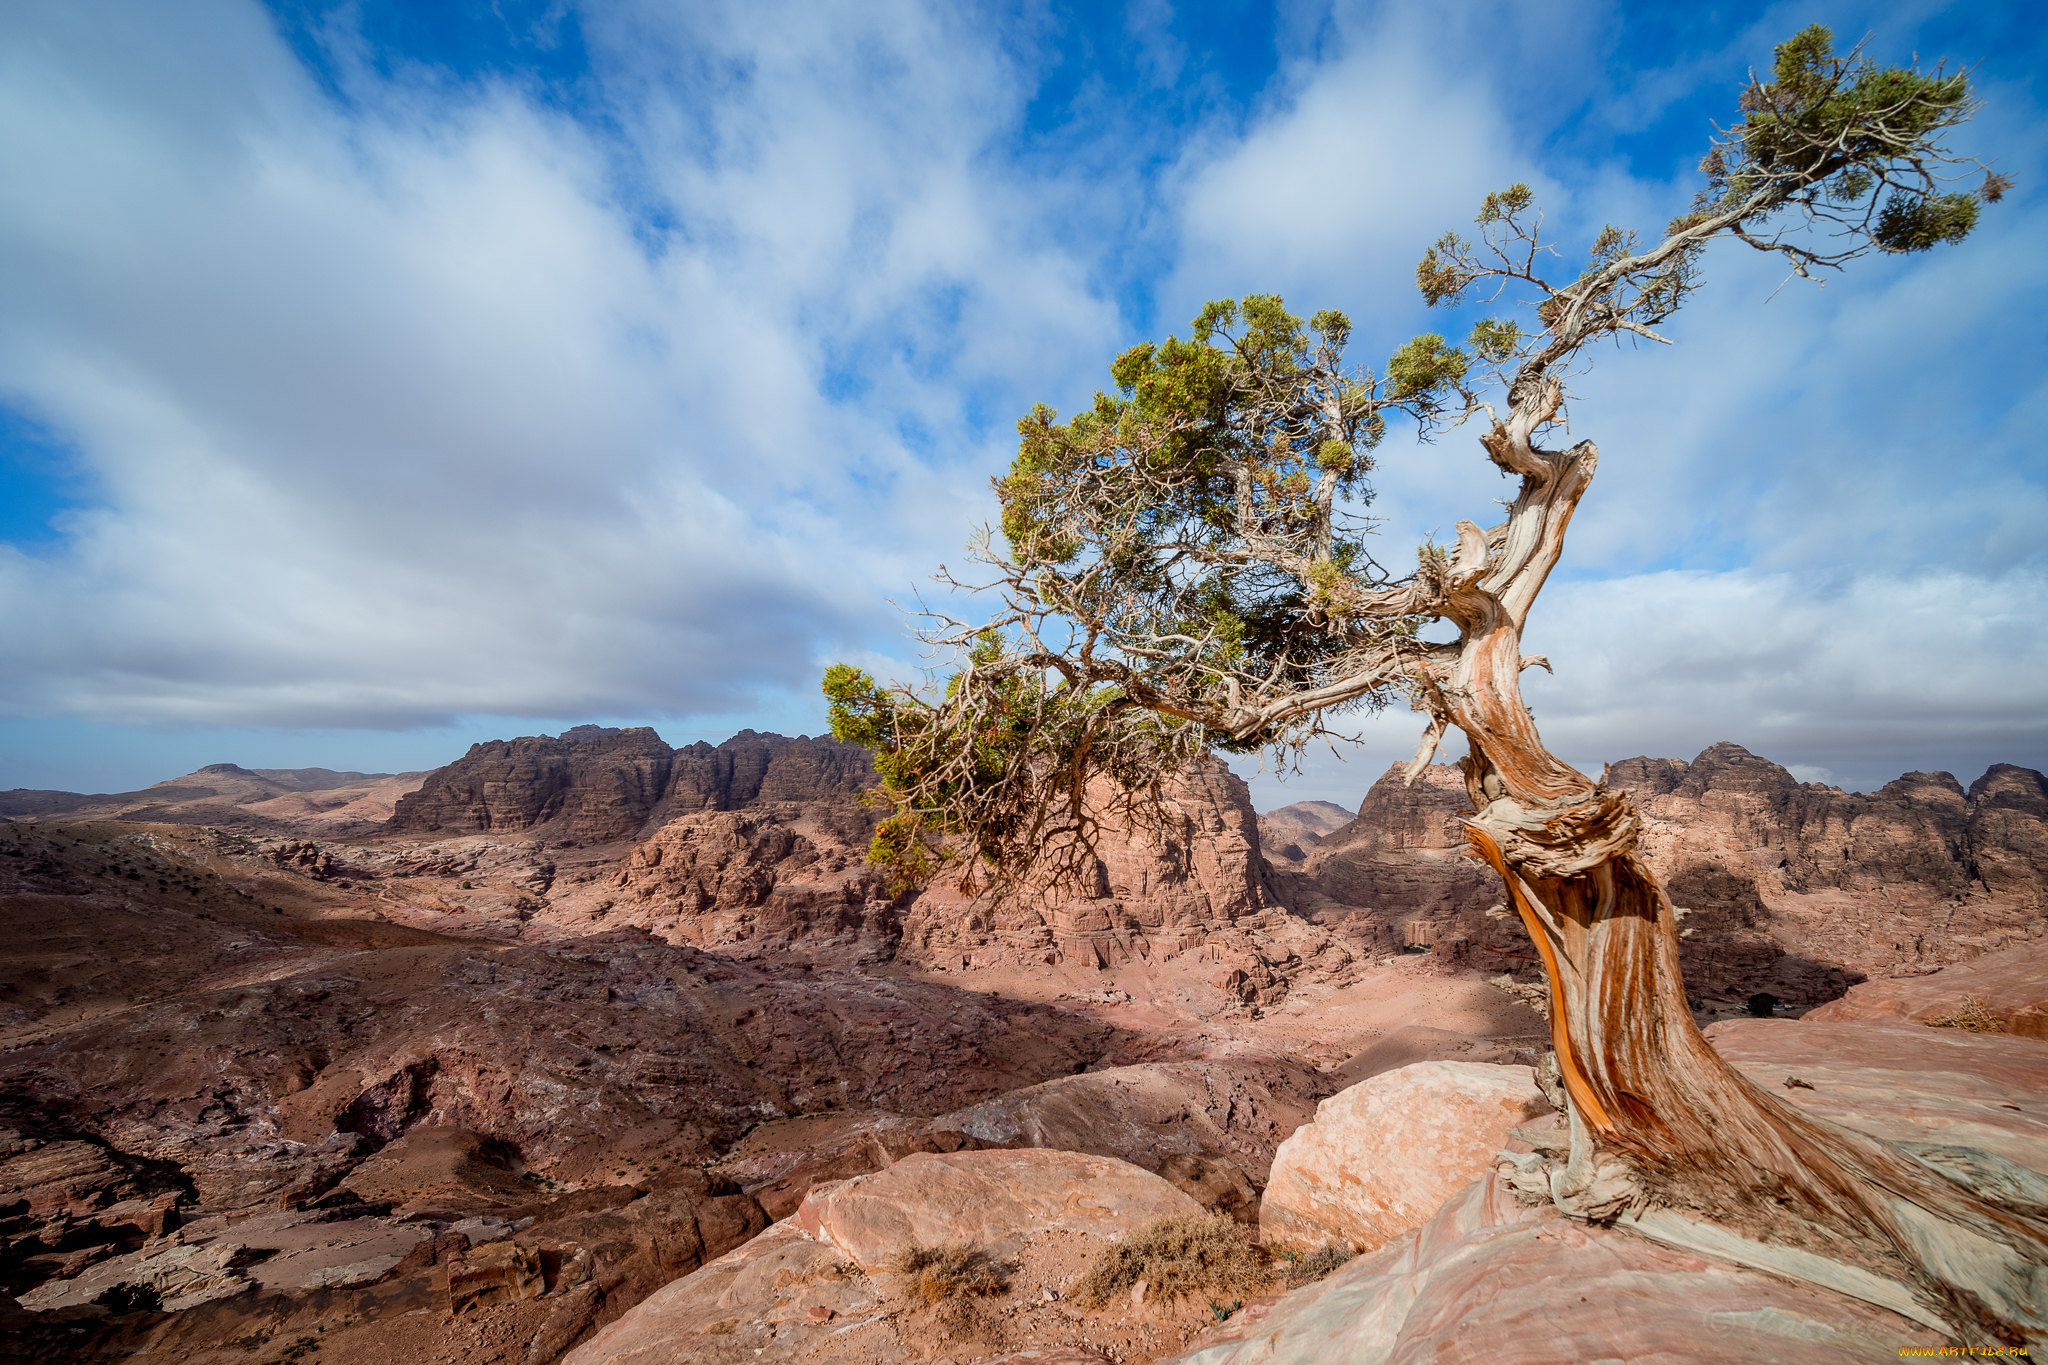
(1186,565)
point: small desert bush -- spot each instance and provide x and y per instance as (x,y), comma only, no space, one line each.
(1176,1257)
(1970,1017)
(1309,1267)
(932,1275)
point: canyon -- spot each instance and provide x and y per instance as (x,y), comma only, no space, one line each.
(471,1063)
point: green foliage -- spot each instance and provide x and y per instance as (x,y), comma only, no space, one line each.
(1848,130)
(1917,222)
(1505,204)
(1183,563)
(1424,368)
(1494,340)
(1443,275)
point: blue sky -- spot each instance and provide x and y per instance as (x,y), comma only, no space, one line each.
(376,377)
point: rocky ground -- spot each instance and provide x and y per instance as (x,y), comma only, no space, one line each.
(586,1014)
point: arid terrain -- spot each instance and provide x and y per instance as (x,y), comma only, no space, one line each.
(467,1065)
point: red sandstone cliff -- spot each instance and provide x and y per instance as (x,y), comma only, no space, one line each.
(593,784)
(1789,887)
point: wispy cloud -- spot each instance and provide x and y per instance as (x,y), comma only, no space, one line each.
(635,381)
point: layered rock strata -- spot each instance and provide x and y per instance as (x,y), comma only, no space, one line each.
(1557,1290)
(594,784)
(1380,1157)
(1793,888)
(1198,889)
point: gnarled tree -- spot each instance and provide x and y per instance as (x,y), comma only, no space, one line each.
(1183,568)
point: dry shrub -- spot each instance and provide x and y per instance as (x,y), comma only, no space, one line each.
(933,1275)
(1315,1265)
(1175,1257)
(1970,1017)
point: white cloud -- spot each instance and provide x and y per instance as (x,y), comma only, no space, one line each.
(1851,683)
(433,407)
(437,401)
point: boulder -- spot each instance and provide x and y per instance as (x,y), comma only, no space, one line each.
(1381,1156)
(497,1272)
(991,1200)
(782,1289)
(1239,1108)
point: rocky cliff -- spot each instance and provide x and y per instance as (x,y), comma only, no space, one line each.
(1788,887)
(1198,889)
(593,784)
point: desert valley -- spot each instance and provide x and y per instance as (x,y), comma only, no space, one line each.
(588,1048)
(1100,426)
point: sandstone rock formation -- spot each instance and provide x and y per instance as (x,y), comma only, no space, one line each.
(593,784)
(1630,1299)
(1380,1157)
(820,1287)
(1955,1095)
(1903,1082)
(771,878)
(1237,1110)
(226,794)
(993,1200)
(1793,888)
(2004,991)
(1286,834)
(1199,890)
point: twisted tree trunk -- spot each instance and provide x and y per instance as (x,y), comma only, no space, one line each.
(1665,1136)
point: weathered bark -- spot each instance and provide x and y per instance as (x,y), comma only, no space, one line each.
(1666,1137)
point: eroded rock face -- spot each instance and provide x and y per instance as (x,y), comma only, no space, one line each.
(277,1088)
(767,879)
(1555,1292)
(1381,1156)
(595,784)
(820,1287)
(1238,1110)
(1793,888)
(994,1200)
(2004,991)
(1199,890)
(66,1204)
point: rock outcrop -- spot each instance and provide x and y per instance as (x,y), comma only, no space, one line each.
(780,877)
(1793,888)
(1198,890)
(1382,1156)
(824,1286)
(593,784)
(2001,992)
(1286,834)
(1557,1291)
(992,1200)
(1183,1120)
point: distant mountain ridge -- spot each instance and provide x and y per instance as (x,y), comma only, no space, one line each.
(229,794)
(594,783)
(1796,888)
